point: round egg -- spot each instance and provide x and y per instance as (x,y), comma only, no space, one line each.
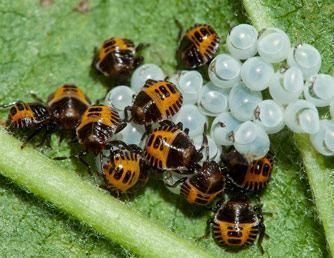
(191,117)
(307,58)
(189,83)
(242,41)
(224,71)
(145,72)
(256,73)
(286,85)
(222,129)
(243,101)
(319,90)
(251,140)
(120,97)
(273,45)
(323,140)
(270,116)
(213,100)
(302,117)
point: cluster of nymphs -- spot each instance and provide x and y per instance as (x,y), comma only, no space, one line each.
(159,124)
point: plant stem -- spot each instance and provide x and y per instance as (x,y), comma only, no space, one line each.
(258,14)
(318,174)
(81,199)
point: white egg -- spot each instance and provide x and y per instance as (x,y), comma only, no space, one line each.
(323,140)
(243,101)
(307,58)
(302,117)
(256,73)
(213,100)
(251,140)
(189,83)
(191,118)
(145,72)
(222,129)
(286,85)
(273,45)
(270,116)
(319,90)
(131,134)
(241,41)
(224,71)
(120,97)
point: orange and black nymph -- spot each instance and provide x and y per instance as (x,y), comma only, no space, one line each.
(124,169)
(251,176)
(237,224)
(198,46)
(117,58)
(170,148)
(204,185)
(30,117)
(97,126)
(201,187)
(67,104)
(157,101)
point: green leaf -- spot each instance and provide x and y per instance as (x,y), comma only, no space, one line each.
(43,47)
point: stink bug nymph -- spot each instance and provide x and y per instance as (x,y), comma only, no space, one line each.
(250,176)
(200,188)
(33,117)
(237,224)
(117,58)
(205,185)
(124,170)
(67,104)
(157,101)
(97,126)
(170,148)
(198,46)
